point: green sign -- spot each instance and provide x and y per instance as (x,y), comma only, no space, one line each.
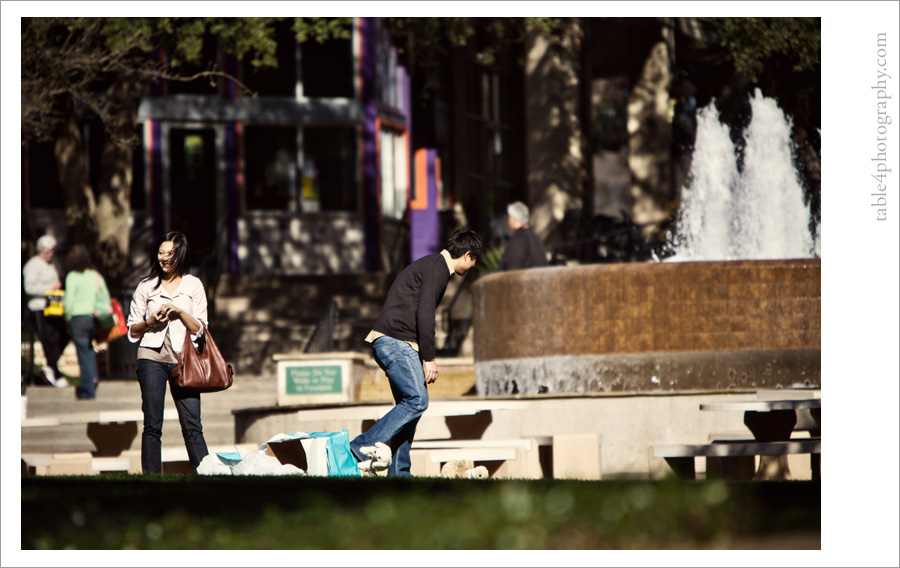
(325,379)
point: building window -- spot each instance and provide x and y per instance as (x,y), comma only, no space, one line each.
(327,68)
(270,154)
(390,74)
(42,177)
(329,169)
(394,165)
(280,81)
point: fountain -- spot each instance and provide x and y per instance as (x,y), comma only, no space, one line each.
(756,213)
(737,306)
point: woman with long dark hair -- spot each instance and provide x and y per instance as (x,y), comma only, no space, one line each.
(85,290)
(167,304)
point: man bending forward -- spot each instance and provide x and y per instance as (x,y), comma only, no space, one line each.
(403,345)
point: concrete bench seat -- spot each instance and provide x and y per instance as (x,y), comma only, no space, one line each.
(97,417)
(527,443)
(174,459)
(520,457)
(791,393)
(732,459)
(111,431)
(573,456)
(437,408)
(77,463)
(444,419)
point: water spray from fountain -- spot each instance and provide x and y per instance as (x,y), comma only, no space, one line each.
(756,212)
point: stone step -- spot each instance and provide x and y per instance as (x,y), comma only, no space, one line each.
(116,389)
(73,437)
(367,285)
(218,420)
(252,308)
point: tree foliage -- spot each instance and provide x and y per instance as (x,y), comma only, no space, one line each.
(76,68)
(82,57)
(426,42)
(755,44)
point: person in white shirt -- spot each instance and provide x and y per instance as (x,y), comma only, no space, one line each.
(39,276)
(167,304)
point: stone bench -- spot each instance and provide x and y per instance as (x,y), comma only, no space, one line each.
(77,463)
(174,460)
(519,457)
(444,419)
(573,456)
(732,459)
(111,431)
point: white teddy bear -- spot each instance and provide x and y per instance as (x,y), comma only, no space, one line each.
(381,459)
(463,469)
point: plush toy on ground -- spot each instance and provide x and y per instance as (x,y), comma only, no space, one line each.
(381,459)
(463,469)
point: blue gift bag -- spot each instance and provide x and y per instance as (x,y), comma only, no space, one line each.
(341,462)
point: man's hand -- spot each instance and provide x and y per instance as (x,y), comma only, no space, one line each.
(431,371)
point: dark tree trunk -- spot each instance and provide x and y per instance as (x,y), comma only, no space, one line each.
(113,192)
(80,207)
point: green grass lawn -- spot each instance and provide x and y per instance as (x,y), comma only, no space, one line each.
(250,512)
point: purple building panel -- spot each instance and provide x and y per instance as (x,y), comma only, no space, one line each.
(424,223)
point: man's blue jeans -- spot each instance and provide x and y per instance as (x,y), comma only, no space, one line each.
(83,329)
(403,367)
(153,377)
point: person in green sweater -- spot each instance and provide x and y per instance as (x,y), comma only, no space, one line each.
(85,289)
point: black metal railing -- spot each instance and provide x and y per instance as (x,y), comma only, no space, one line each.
(213,265)
(619,245)
(322,338)
(455,332)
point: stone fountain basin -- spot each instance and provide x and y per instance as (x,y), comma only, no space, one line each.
(649,327)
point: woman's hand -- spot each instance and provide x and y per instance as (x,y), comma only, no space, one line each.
(170,312)
(156,319)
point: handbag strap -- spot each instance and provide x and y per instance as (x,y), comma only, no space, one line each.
(99,296)
(187,338)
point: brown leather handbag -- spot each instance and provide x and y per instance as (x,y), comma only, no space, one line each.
(203,370)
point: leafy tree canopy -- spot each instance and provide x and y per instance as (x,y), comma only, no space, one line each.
(427,41)
(754,44)
(81,57)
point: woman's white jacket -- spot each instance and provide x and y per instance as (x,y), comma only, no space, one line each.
(189,296)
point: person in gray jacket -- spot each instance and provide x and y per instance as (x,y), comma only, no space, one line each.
(39,276)
(524,249)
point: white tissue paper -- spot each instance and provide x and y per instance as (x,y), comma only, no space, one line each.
(248,463)
(261,464)
(213,465)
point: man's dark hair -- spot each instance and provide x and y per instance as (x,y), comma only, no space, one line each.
(464,241)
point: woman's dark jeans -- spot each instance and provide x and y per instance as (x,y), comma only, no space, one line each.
(83,329)
(153,377)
